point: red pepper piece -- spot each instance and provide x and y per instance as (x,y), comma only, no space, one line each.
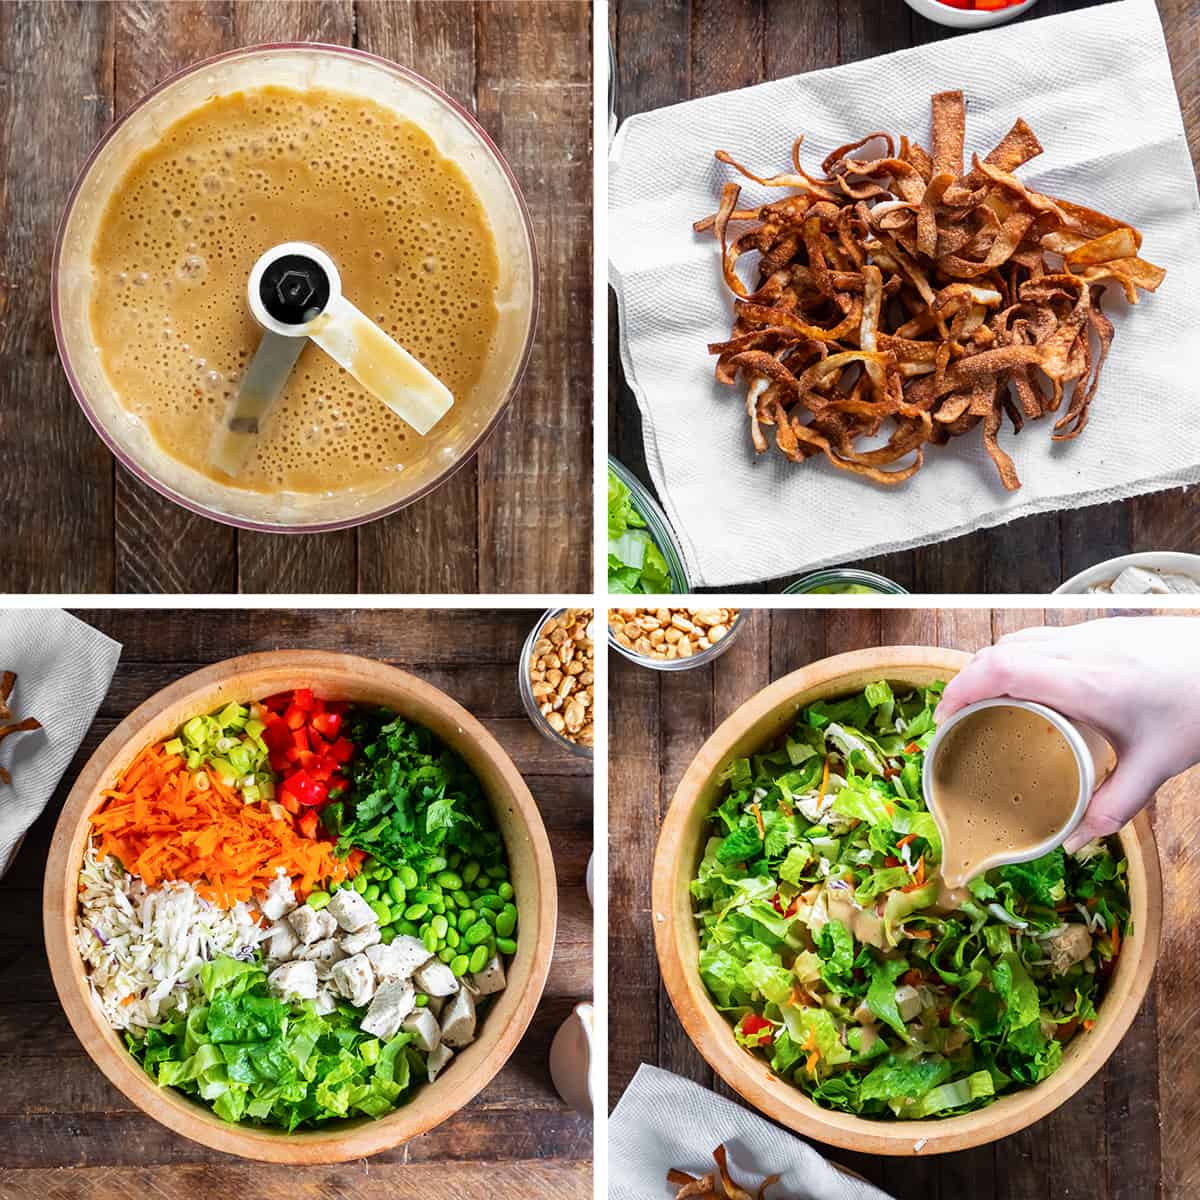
(755,1028)
(307,790)
(342,751)
(289,802)
(307,824)
(327,724)
(295,717)
(790,911)
(278,702)
(303,699)
(276,735)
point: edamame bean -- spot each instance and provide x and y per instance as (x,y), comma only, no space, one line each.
(459,964)
(440,926)
(461,899)
(466,919)
(372,892)
(499,871)
(506,921)
(388,936)
(470,872)
(479,932)
(447,955)
(318,900)
(408,877)
(414,912)
(450,880)
(360,884)
(407,927)
(396,890)
(489,900)
(426,895)
(506,945)
(452,938)
(438,906)
(506,891)
(381,909)
(429,939)
(384,874)
(454,860)
(421,1000)
(478,959)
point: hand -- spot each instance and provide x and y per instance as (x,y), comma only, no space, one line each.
(1134,679)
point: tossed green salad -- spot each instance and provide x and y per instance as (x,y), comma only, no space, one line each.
(635,563)
(827,942)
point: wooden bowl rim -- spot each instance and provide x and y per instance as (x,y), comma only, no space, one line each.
(354,1138)
(750,1076)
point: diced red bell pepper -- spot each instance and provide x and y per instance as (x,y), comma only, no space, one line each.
(342,751)
(327,724)
(790,911)
(308,822)
(295,717)
(289,802)
(337,784)
(307,790)
(303,699)
(300,739)
(278,702)
(277,736)
(755,1028)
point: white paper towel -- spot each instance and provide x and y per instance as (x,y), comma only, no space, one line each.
(664,1122)
(63,670)
(1096,87)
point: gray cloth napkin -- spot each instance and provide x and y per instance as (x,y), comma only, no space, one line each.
(663,1121)
(1096,87)
(63,670)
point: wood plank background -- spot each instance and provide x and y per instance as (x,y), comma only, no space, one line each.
(1130,1134)
(515,1139)
(673,50)
(515,519)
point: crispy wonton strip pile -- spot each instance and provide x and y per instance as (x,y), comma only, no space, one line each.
(705,1186)
(903,286)
(161,825)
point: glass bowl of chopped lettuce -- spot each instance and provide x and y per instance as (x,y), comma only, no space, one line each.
(818,965)
(276,1047)
(643,556)
(844,581)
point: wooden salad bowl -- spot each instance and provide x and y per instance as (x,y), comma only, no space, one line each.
(333,677)
(680,844)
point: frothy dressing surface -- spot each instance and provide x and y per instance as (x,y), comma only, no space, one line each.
(1004,779)
(238,175)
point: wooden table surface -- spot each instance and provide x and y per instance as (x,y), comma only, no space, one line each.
(516,1139)
(673,50)
(516,519)
(1130,1134)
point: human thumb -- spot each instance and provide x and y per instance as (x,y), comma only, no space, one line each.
(1116,802)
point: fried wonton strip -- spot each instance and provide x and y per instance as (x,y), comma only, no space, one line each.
(801,181)
(949,131)
(1072,424)
(1117,243)
(1015,148)
(731,1189)
(1004,464)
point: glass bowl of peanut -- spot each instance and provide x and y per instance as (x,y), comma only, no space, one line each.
(556,676)
(672,639)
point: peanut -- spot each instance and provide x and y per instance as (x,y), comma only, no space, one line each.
(562,671)
(671,633)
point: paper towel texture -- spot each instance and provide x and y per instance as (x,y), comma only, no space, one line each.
(1096,87)
(63,671)
(664,1122)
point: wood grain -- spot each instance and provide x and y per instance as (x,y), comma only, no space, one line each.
(672,52)
(1128,1133)
(517,518)
(58,1111)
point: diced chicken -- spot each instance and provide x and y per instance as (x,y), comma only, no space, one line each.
(400,959)
(863,1014)
(354,980)
(392,1003)
(908,1001)
(436,979)
(491,978)
(436,1004)
(281,943)
(1181,583)
(356,943)
(325,1003)
(294,981)
(280,898)
(1135,581)
(1072,944)
(437,1061)
(423,1025)
(351,911)
(325,951)
(458,1020)
(311,925)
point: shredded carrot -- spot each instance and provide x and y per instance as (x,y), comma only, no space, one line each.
(757,811)
(919,875)
(918,933)
(824,780)
(160,826)
(890,809)
(1116,939)
(1087,1026)
(810,1063)
(128,999)
(906,841)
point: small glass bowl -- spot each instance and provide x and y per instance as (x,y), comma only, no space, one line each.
(525,686)
(657,526)
(680,664)
(840,578)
